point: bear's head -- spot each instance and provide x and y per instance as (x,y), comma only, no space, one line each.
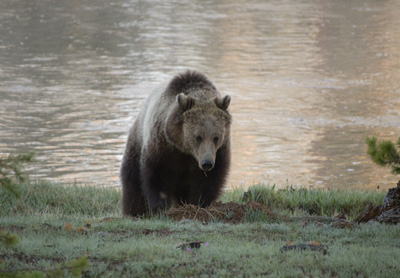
(199,127)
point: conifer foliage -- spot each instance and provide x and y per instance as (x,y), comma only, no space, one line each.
(10,171)
(385,153)
(10,176)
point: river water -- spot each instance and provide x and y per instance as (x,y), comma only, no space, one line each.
(309,80)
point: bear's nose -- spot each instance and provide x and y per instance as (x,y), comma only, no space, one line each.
(207,165)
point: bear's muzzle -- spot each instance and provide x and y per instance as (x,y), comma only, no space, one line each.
(207,165)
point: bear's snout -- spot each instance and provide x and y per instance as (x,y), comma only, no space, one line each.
(206,155)
(207,165)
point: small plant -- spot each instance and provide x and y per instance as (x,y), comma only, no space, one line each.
(8,239)
(10,171)
(9,167)
(73,267)
(10,175)
(385,153)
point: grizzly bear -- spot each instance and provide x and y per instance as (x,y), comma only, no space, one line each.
(178,149)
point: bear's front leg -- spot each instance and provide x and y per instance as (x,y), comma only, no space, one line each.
(154,186)
(206,188)
(201,197)
(158,200)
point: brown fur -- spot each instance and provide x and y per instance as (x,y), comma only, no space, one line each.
(178,149)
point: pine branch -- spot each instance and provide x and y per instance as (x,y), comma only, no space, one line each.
(10,170)
(8,239)
(74,267)
(385,153)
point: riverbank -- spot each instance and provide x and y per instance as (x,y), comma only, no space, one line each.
(56,224)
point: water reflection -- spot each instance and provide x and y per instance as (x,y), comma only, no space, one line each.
(309,80)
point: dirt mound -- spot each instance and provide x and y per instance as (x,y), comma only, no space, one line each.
(234,213)
(226,212)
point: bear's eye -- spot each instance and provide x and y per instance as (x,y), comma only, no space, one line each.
(199,139)
(216,139)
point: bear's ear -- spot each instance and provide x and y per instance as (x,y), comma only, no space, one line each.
(223,103)
(185,102)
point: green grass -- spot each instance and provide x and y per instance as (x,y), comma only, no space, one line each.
(56,224)
(310,201)
(55,199)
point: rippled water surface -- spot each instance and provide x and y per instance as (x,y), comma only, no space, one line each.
(309,81)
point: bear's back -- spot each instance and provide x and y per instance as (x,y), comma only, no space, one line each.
(192,83)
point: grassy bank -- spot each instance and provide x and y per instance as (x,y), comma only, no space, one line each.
(56,224)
